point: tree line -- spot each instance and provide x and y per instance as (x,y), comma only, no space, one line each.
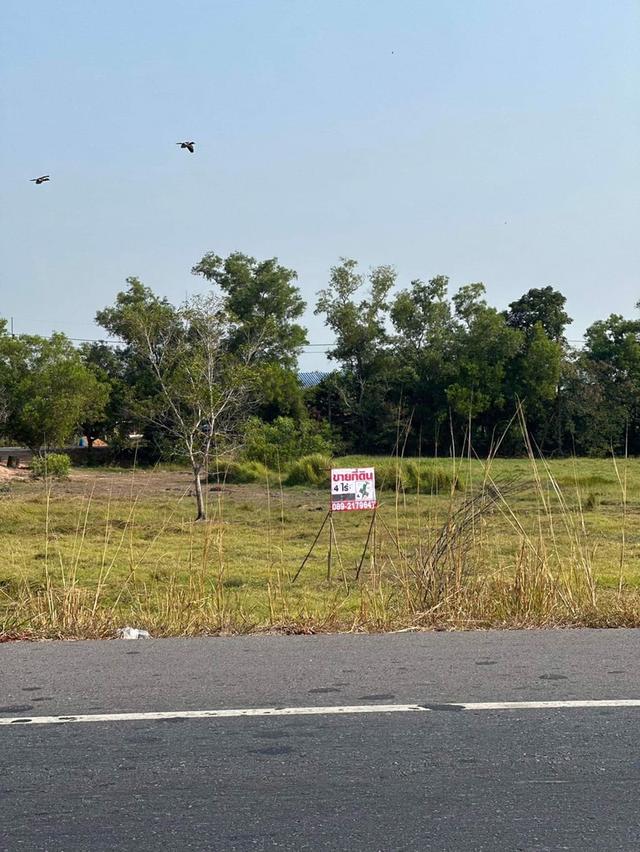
(442,371)
(417,369)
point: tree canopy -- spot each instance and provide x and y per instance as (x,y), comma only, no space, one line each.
(47,389)
(262,303)
(413,364)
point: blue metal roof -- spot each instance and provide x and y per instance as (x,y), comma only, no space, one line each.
(312,378)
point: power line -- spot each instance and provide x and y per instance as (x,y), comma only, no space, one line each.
(308,348)
(113,341)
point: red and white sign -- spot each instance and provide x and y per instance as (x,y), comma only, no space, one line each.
(353,488)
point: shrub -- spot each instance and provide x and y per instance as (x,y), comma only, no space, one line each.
(427,478)
(390,474)
(412,476)
(310,470)
(51,465)
(277,443)
(239,473)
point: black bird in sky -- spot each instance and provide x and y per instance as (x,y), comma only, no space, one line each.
(190,146)
(41,179)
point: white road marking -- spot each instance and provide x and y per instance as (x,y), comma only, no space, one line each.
(215,714)
(317,711)
(549,705)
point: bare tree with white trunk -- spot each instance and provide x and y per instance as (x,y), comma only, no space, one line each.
(201,391)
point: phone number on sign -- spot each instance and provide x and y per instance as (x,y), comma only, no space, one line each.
(342,506)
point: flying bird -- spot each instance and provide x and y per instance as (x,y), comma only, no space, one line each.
(190,146)
(41,179)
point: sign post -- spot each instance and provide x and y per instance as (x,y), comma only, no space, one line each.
(352,489)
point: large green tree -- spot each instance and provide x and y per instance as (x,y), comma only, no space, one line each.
(536,376)
(540,306)
(263,305)
(423,348)
(109,364)
(358,321)
(48,390)
(611,359)
(535,372)
(484,348)
(278,393)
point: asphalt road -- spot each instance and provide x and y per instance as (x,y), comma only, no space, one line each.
(444,779)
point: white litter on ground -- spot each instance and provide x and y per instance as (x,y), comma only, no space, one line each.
(133,633)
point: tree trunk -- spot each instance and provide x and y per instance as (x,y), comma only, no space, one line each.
(202,511)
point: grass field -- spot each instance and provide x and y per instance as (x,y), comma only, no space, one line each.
(515,543)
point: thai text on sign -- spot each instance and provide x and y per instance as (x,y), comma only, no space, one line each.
(353,488)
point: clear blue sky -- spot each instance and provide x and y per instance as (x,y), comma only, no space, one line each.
(495,141)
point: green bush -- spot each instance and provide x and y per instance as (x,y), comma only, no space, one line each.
(426,478)
(390,474)
(239,473)
(284,440)
(412,476)
(310,470)
(51,465)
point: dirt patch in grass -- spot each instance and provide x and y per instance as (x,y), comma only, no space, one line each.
(12,474)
